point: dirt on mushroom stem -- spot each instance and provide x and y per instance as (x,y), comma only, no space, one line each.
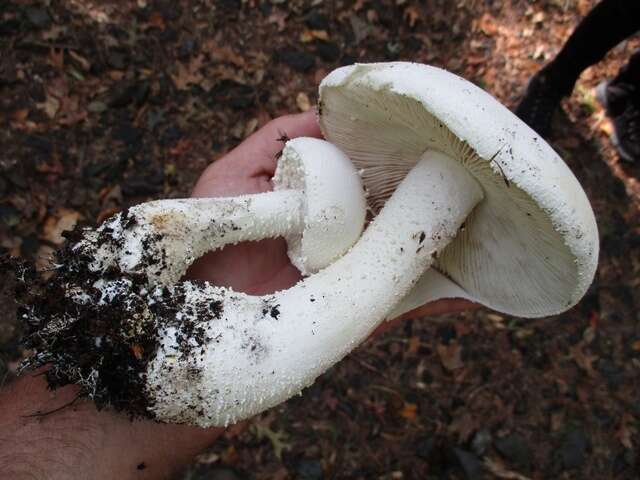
(101,344)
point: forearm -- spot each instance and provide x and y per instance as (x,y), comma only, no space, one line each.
(80,442)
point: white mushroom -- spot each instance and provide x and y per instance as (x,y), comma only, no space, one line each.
(460,157)
(318,205)
(530,248)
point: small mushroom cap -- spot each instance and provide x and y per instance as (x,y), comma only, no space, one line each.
(335,207)
(530,247)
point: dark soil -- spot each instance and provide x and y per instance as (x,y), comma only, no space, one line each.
(105,104)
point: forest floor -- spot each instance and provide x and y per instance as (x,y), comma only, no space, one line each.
(104,104)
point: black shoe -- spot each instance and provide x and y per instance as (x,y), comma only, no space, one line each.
(622,103)
(540,101)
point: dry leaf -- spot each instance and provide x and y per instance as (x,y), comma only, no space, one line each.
(414,345)
(626,431)
(51,105)
(56,58)
(156,20)
(409,411)
(302,100)
(20,115)
(188,74)
(463,426)
(500,471)
(411,15)
(62,220)
(450,356)
(83,62)
(487,25)
(279,18)
(45,261)
(583,359)
(222,54)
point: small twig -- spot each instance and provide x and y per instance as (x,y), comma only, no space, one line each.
(43,414)
(493,159)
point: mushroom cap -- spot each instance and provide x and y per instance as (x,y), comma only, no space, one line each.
(530,247)
(334,205)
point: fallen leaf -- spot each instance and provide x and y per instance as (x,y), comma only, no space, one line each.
(626,431)
(20,115)
(411,15)
(156,20)
(62,220)
(45,261)
(51,105)
(414,345)
(279,18)
(188,74)
(487,25)
(302,100)
(56,58)
(583,359)
(501,471)
(83,62)
(450,356)
(409,411)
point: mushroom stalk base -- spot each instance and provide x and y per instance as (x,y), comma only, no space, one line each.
(259,351)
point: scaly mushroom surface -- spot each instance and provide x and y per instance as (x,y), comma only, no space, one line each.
(195,353)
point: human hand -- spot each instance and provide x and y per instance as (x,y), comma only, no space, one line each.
(77,438)
(263,267)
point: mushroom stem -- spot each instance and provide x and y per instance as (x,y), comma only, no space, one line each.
(260,351)
(188,228)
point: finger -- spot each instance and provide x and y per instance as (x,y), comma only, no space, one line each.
(257,154)
(249,167)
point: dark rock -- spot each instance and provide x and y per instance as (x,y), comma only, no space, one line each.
(126,93)
(127,133)
(205,472)
(3,371)
(469,463)
(29,246)
(9,215)
(145,184)
(514,448)
(414,44)
(38,17)
(574,449)
(425,447)
(117,60)
(230,5)
(17,179)
(169,35)
(296,59)
(309,469)
(481,442)
(170,136)
(447,332)
(9,27)
(186,48)
(610,372)
(317,21)
(234,94)
(328,51)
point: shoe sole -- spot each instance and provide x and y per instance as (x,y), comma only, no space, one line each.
(601,96)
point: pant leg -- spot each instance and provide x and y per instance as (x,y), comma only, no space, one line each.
(606,25)
(630,73)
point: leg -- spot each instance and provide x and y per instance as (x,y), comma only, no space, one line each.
(610,22)
(621,99)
